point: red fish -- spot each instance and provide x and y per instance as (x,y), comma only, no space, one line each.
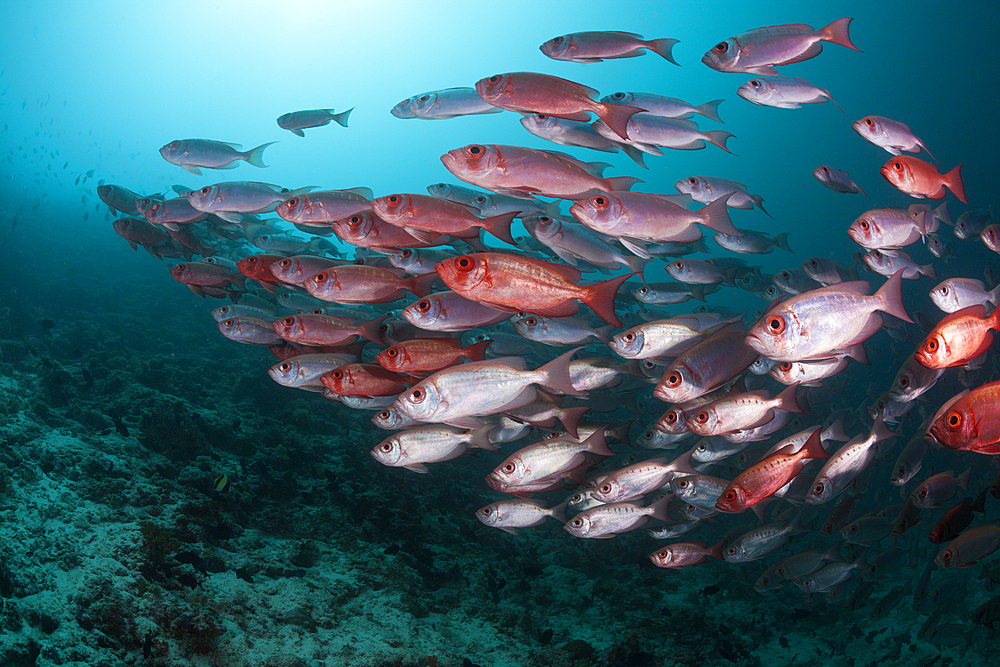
(257,267)
(970,421)
(429,216)
(422,355)
(363,380)
(959,338)
(522,284)
(768,475)
(922,179)
(365,284)
(531,92)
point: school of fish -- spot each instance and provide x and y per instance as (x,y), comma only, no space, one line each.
(429,311)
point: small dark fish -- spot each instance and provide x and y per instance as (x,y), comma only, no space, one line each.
(783,641)
(546,637)
(46,323)
(105,432)
(189,580)
(66,165)
(77,181)
(189,557)
(391,550)
(147,643)
(295,573)
(244,574)
(710,590)
(116,417)
(90,173)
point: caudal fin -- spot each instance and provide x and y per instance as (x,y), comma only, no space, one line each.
(953,179)
(555,375)
(710,110)
(781,240)
(837,32)
(716,216)
(891,297)
(601,298)
(256,156)
(719,138)
(664,48)
(787,400)
(616,117)
(499,226)
(341,118)
(421,285)
(622,183)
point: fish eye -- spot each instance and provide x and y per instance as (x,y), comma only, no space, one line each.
(423,305)
(679,266)
(674,379)
(755,83)
(386,447)
(577,523)
(776,324)
(869,122)
(721,47)
(423,98)
(813,263)
(701,417)
(494,78)
(931,345)
(229,323)
(393,199)
(541,116)
(600,202)
(702,447)
(643,290)
(818,489)
(786,275)
(786,366)
(544,218)
(605,488)
(319,277)
(417,395)
(731,496)
(284,367)
(475,150)
(672,417)
(288,321)
(731,551)
(693,181)
(946,556)
(285,263)
(481,199)
(292,203)
(391,352)
(463,263)
(863,225)
(954,420)
(336,375)
(628,337)
(385,414)
(648,435)
(618,96)
(508,468)
(897,165)
(923,493)
(556,40)
(173,145)
(904,381)
(824,170)
(205,190)
(486,511)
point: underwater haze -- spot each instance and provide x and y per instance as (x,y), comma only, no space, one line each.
(164,501)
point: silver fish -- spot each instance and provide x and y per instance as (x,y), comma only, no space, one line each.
(837,180)
(783,92)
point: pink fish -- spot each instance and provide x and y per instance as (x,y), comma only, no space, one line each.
(759,51)
(593,47)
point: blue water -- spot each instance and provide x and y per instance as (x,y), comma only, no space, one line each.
(101,86)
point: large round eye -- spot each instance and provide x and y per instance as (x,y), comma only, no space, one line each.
(954,420)
(813,263)
(672,417)
(284,367)
(897,165)
(931,344)
(721,47)
(355,219)
(679,266)
(509,468)
(319,277)
(648,435)
(701,417)
(292,203)
(618,96)
(486,511)
(825,170)
(869,122)
(475,150)
(578,523)
(531,321)
(463,263)
(693,181)
(391,352)
(600,202)
(731,551)
(386,447)
(923,492)
(776,324)
(904,381)
(423,305)
(643,290)
(285,263)
(494,78)
(540,116)
(628,337)
(755,83)
(901,471)
(544,218)
(819,488)
(205,190)
(417,395)
(423,98)
(946,556)
(393,199)
(229,323)
(288,321)
(384,415)
(673,380)
(605,488)
(174,145)
(556,40)
(731,496)
(786,366)
(336,375)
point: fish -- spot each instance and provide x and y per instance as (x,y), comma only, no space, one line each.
(686,554)
(891,135)
(887,263)
(442,104)
(432,443)
(649,132)
(418,213)
(815,324)
(891,228)
(191,154)
(671,107)
(847,463)
(706,189)
(577,133)
(509,515)
(837,180)
(323,207)
(612,519)
(221,483)
(970,547)
(571,242)
(296,121)
(783,92)
(449,311)
(959,337)
(428,355)
(939,488)
(533,92)
(922,179)
(522,284)
(969,421)
(761,50)
(720,356)
(593,47)
(526,172)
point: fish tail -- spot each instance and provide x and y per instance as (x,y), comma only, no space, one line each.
(814,446)
(372,330)
(634,153)
(555,374)
(499,226)
(757,199)
(559,511)
(710,110)
(341,118)
(837,32)
(698,292)
(570,418)
(604,333)
(601,298)
(929,271)
(781,240)
(663,47)
(715,551)
(597,444)
(256,155)
(953,179)
(477,351)
(719,138)
(890,296)
(421,285)
(787,400)
(637,264)
(617,116)
(481,438)
(622,183)
(661,508)
(716,216)
(942,214)
(834,102)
